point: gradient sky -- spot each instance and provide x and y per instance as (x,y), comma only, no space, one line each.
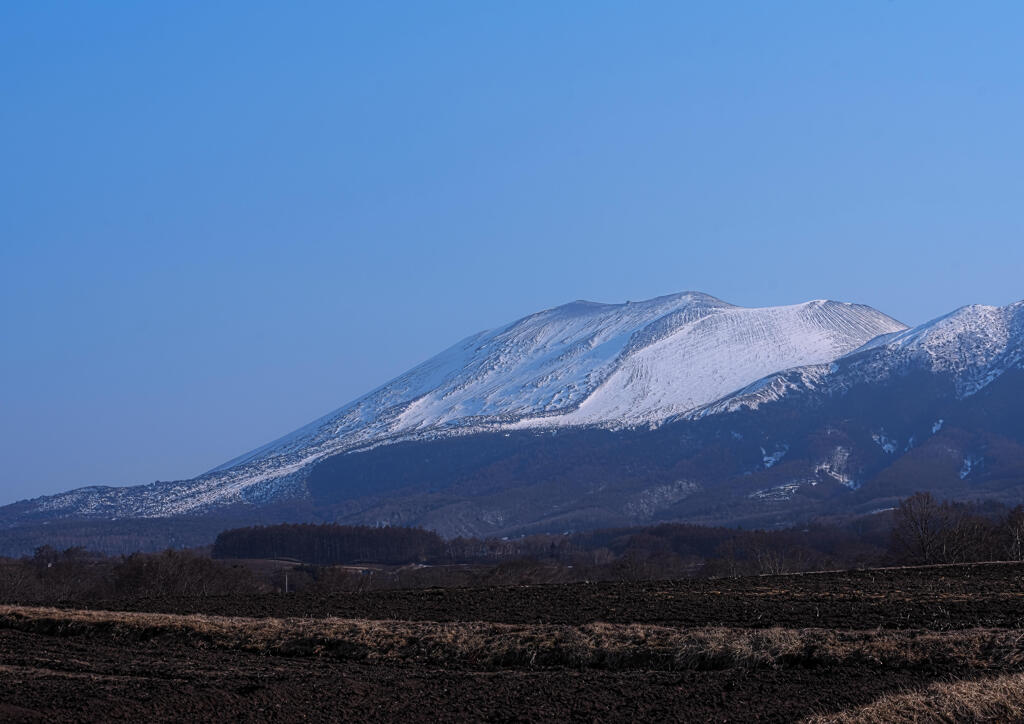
(221,220)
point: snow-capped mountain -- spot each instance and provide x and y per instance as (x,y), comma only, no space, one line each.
(602,415)
(582,363)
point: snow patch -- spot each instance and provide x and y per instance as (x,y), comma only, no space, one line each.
(773,458)
(648,501)
(835,466)
(971,463)
(780,493)
(887,444)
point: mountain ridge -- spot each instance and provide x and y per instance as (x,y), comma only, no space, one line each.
(677,361)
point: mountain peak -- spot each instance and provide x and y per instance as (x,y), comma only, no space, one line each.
(677,299)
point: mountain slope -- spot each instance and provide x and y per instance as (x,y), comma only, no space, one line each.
(579,364)
(779,464)
(967,349)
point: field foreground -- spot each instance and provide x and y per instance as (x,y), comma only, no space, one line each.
(939,642)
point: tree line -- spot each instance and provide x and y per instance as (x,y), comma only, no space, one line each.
(329,558)
(919,530)
(926,530)
(74,574)
(330,544)
(673,546)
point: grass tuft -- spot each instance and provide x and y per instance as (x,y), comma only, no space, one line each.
(999,699)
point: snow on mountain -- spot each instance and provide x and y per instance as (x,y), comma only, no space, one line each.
(973,346)
(582,363)
(693,361)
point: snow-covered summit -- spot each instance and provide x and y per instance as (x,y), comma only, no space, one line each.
(583,363)
(590,363)
(975,344)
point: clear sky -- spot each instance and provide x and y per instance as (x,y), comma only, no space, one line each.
(220,220)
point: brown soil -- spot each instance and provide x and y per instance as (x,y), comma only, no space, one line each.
(937,598)
(52,679)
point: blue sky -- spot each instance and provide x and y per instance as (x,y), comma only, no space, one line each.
(221,220)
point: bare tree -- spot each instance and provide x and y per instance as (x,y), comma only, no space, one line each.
(919,531)
(1014,528)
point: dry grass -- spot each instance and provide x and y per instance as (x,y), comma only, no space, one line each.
(493,646)
(999,699)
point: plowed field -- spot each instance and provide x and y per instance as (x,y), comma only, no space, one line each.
(779,649)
